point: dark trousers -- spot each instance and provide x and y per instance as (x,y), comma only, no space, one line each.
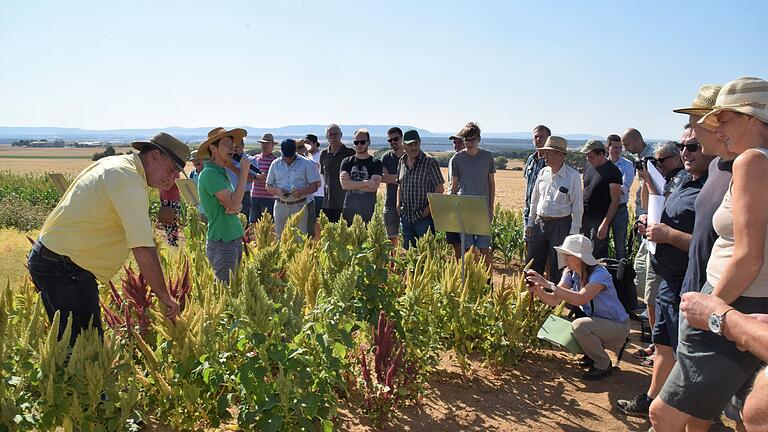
(544,237)
(246,210)
(589,227)
(259,206)
(68,288)
(414,230)
(333,215)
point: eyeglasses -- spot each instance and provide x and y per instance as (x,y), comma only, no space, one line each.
(361,142)
(659,161)
(393,140)
(691,147)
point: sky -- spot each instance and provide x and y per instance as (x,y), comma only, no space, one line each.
(579,67)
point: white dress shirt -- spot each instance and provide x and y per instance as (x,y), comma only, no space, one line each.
(558,195)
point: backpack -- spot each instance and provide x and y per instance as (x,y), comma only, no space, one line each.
(623,274)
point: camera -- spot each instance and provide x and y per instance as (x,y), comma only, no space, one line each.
(641,164)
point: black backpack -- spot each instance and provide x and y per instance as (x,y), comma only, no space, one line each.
(623,274)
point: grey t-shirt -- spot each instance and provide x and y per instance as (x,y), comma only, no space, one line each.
(472,172)
(390,162)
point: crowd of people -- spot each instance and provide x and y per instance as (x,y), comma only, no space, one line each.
(698,238)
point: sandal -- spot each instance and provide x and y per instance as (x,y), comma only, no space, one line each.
(647,362)
(644,353)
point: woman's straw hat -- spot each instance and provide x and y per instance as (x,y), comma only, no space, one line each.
(745,95)
(216,134)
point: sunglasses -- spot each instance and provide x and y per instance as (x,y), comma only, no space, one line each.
(361,142)
(691,147)
(659,161)
(393,140)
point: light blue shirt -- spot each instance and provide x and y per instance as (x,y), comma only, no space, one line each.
(627,169)
(606,302)
(233,177)
(297,175)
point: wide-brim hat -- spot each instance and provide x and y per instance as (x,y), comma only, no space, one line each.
(578,246)
(216,134)
(746,95)
(705,99)
(556,143)
(169,145)
(267,138)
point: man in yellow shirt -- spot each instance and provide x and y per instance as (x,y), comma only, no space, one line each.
(102,217)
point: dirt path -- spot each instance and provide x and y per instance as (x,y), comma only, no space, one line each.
(543,392)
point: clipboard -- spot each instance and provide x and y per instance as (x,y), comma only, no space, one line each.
(559,331)
(59,182)
(188,190)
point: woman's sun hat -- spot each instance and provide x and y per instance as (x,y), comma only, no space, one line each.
(705,99)
(746,95)
(216,134)
(578,246)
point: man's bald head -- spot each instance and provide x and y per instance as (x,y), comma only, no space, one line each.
(632,140)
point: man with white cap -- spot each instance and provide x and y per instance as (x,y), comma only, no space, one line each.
(102,217)
(556,209)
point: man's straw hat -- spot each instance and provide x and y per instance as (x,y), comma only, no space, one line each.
(556,143)
(703,102)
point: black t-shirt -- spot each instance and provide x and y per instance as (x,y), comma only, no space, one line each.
(329,168)
(360,170)
(390,161)
(597,192)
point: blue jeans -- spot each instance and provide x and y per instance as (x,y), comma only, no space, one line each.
(66,287)
(619,229)
(224,257)
(415,229)
(259,206)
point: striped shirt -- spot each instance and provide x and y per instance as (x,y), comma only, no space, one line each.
(262,162)
(415,183)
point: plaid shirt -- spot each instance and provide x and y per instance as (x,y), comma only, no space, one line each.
(415,183)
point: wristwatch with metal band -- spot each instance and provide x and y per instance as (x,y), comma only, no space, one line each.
(716,322)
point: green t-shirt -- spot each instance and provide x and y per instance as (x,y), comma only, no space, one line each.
(221,226)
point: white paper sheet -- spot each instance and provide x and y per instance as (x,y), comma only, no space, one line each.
(655,208)
(657,178)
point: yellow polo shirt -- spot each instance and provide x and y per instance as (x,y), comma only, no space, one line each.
(102,216)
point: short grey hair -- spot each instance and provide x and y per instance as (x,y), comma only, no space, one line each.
(667,147)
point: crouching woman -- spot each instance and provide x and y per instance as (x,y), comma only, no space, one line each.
(601,320)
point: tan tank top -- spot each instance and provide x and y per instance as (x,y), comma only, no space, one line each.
(722,251)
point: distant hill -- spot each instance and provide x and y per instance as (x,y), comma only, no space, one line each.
(198,134)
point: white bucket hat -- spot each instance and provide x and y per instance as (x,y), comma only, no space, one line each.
(578,246)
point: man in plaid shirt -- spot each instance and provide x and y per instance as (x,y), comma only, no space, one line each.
(418,175)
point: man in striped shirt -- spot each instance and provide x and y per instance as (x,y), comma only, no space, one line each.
(261,199)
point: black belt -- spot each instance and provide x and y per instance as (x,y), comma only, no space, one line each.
(49,254)
(290,202)
(550,219)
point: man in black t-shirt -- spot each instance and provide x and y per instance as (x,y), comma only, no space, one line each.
(360,177)
(330,161)
(390,160)
(602,192)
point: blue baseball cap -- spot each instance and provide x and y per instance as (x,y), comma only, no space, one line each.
(288,147)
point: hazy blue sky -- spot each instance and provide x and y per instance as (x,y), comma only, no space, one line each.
(593,67)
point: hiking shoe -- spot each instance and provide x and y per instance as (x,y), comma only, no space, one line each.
(586,361)
(595,374)
(637,407)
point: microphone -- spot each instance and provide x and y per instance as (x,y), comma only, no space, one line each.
(253,168)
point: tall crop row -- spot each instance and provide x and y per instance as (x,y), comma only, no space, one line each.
(304,325)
